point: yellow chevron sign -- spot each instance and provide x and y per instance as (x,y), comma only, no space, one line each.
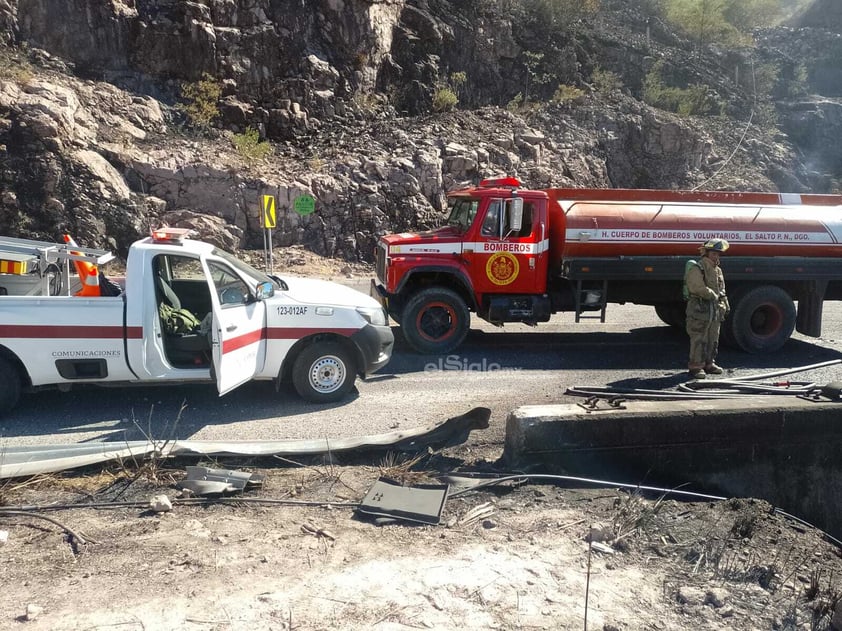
(269,216)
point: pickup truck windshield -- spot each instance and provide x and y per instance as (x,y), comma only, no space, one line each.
(245,268)
(462,212)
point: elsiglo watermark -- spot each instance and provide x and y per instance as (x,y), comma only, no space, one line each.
(463,364)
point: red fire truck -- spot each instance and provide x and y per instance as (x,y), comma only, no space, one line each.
(510,254)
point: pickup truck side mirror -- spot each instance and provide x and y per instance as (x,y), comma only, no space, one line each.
(516,215)
(265,290)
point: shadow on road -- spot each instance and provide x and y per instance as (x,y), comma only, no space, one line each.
(155,410)
(644,349)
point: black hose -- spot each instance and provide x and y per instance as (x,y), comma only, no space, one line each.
(716,388)
(645,395)
(787,371)
(714,384)
(757,389)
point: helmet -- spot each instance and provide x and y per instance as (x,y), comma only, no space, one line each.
(717,245)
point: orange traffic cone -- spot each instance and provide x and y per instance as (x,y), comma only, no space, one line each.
(83,268)
(90,286)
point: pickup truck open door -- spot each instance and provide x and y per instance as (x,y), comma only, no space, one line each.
(238,333)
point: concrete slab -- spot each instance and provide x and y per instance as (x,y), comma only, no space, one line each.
(784,450)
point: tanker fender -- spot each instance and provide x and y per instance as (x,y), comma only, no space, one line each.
(418,278)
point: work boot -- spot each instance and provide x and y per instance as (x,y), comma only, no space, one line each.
(713,369)
(697,373)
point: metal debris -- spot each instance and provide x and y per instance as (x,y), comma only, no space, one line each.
(592,404)
(421,503)
(205,481)
(832,390)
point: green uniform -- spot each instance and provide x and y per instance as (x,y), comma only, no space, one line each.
(707,307)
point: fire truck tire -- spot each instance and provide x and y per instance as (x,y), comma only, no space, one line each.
(323,372)
(435,321)
(672,313)
(10,386)
(762,319)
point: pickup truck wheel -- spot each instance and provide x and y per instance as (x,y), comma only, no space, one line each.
(10,386)
(762,319)
(435,321)
(673,314)
(323,372)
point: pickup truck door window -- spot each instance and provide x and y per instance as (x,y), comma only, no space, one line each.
(238,329)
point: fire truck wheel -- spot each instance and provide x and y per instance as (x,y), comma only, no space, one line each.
(323,372)
(10,385)
(672,313)
(762,319)
(435,321)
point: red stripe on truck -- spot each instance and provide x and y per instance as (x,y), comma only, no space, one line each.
(240,341)
(58,331)
(277,333)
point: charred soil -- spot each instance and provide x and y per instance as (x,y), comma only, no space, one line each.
(293,553)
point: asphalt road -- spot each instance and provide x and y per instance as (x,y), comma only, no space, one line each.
(496,368)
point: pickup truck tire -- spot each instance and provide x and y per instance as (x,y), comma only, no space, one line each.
(673,314)
(323,372)
(10,386)
(762,319)
(435,321)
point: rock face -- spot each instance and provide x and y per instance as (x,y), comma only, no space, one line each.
(91,141)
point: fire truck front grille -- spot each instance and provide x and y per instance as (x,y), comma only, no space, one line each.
(380,263)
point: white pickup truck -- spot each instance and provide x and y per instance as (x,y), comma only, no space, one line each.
(317,334)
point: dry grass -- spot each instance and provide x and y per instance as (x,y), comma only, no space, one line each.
(401,468)
(634,514)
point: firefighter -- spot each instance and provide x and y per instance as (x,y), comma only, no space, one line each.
(707,308)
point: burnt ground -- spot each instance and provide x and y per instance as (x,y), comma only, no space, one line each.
(292,553)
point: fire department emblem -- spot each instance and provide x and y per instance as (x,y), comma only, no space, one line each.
(502,268)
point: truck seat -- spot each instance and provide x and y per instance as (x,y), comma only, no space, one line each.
(183,349)
(166,293)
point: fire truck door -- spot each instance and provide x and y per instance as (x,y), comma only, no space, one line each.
(238,330)
(505,259)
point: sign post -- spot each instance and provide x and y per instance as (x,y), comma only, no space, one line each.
(269,221)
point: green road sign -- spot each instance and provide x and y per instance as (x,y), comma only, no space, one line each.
(304,205)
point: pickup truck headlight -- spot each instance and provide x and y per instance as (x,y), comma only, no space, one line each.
(374,315)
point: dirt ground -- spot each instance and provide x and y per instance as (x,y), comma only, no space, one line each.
(293,553)
(513,556)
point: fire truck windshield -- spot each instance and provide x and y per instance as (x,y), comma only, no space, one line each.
(462,212)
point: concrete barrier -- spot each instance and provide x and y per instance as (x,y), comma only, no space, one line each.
(786,451)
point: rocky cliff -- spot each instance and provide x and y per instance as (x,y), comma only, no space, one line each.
(92,140)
